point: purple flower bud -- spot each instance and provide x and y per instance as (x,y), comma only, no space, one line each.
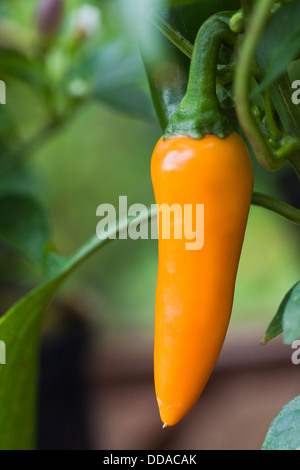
(49,16)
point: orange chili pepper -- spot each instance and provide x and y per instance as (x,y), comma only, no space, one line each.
(195,289)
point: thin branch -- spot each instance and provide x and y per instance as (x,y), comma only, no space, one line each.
(288,212)
(242,85)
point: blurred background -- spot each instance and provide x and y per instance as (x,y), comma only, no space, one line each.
(96,387)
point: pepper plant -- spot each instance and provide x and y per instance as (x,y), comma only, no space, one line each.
(249,73)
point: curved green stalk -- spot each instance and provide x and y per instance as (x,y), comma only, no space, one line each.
(242,85)
(198,113)
(95,243)
(288,212)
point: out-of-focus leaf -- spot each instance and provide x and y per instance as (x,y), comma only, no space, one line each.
(117,78)
(120,85)
(291,316)
(24,225)
(128,99)
(8,131)
(284,432)
(19,182)
(279,44)
(7,125)
(14,63)
(20,330)
(287,318)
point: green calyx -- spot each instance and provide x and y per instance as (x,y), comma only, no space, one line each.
(197,125)
(199,112)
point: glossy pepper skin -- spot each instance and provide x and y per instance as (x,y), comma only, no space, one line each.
(195,289)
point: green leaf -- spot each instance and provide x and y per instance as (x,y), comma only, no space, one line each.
(19,182)
(24,225)
(279,44)
(14,63)
(287,318)
(284,432)
(7,124)
(20,331)
(128,99)
(291,316)
(8,131)
(118,79)
(275,327)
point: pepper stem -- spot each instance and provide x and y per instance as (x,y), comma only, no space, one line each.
(198,113)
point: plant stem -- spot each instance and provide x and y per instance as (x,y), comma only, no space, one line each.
(94,243)
(242,85)
(290,213)
(198,113)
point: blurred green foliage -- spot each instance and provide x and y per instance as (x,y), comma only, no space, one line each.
(104,151)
